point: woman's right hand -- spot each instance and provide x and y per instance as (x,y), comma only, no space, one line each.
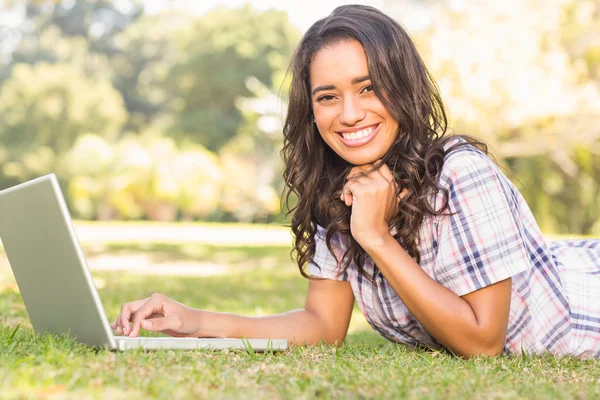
(157,313)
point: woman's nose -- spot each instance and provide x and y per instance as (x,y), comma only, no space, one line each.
(352,112)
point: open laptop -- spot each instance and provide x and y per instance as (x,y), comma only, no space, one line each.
(55,282)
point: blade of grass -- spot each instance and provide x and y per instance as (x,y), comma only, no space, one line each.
(12,335)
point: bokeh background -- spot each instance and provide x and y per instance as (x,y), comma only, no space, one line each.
(172,110)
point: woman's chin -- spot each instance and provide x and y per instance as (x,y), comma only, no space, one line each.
(362,159)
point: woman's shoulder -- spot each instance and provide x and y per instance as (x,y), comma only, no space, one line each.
(320,236)
(464,160)
(470,176)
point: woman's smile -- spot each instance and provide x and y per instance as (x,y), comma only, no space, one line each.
(355,137)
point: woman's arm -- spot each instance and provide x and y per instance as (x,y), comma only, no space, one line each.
(326,316)
(475,323)
(472,324)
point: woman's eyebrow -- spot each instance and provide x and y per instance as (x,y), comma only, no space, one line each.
(331,87)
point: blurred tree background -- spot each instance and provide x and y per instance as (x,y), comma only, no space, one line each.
(523,75)
(165,117)
(174,116)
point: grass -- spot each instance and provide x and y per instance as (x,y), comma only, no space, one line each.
(367,366)
(233,256)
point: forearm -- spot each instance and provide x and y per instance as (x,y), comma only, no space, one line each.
(446,316)
(298,326)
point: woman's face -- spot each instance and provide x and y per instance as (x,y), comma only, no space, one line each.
(349,116)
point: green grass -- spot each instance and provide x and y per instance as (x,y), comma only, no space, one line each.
(238,255)
(366,366)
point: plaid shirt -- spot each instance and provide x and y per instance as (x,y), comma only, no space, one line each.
(490,236)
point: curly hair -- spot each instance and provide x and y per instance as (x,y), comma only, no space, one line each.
(315,174)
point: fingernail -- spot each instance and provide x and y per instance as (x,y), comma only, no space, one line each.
(146,324)
(119,331)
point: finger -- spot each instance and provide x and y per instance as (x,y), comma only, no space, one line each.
(116,327)
(347,196)
(350,192)
(353,175)
(402,194)
(167,323)
(127,310)
(386,172)
(153,306)
(115,324)
(358,171)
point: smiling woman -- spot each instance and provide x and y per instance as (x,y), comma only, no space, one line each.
(422,229)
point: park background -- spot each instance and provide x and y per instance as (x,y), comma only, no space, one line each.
(162,120)
(170,111)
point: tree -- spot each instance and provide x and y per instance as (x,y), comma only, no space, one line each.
(49,115)
(251,161)
(143,59)
(141,176)
(81,33)
(218,53)
(523,75)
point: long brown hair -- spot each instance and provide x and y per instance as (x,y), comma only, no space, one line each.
(316,175)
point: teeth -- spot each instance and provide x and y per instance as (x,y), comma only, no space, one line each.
(357,135)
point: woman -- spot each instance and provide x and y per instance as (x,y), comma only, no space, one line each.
(423,230)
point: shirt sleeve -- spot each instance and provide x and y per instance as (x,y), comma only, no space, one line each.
(481,238)
(324,264)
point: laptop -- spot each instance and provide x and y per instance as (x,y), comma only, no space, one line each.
(56,284)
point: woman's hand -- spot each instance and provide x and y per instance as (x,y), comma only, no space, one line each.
(374,202)
(157,313)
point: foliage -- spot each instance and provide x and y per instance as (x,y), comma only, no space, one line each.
(75,31)
(40,122)
(216,62)
(251,160)
(553,197)
(102,80)
(138,65)
(141,176)
(523,76)
(143,57)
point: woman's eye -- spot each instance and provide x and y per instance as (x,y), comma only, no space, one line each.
(325,98)
(368,88)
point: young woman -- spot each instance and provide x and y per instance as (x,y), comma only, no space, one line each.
(423,230)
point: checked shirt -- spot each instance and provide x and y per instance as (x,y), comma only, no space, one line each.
(488,234)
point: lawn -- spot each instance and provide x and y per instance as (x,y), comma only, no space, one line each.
(254,281)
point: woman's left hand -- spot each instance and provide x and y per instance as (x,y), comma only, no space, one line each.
(374,203)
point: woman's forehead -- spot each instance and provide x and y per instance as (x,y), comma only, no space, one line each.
(342,61)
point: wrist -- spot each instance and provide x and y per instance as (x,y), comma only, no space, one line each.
(196,317)
(375,241)
(212,324)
